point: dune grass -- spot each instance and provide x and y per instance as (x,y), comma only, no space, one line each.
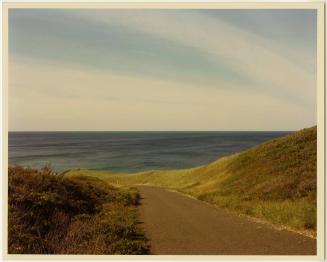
(61,214)
(274,181)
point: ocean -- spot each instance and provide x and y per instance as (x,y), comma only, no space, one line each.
(128,151)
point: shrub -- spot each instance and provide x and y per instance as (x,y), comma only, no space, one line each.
(55,214)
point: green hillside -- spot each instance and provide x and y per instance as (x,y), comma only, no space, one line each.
(274,181)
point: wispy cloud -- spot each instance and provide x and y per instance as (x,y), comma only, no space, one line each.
(201,69)
(265,63)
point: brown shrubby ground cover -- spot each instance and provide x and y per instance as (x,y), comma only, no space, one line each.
(49,213)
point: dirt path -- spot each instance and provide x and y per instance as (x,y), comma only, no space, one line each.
(179,225)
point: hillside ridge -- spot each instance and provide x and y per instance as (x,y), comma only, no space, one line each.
(274,181)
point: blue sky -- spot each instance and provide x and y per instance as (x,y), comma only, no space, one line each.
(162,69)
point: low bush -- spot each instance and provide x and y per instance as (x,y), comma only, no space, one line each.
(50,213)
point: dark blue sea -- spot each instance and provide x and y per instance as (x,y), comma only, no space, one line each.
(128,151)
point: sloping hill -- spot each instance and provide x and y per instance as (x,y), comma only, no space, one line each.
(275,181)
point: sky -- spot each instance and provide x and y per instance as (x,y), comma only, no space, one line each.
(161,70)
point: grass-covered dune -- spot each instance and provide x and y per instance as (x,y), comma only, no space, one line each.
(62,214)
(274,181)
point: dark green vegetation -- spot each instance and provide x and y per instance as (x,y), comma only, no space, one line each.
(275,181)
(62,214)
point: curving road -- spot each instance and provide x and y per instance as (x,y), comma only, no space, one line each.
(179,225)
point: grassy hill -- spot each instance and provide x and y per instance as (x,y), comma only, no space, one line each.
(274,181)
(61,214)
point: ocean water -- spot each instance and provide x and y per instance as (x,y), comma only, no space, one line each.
(128,151)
